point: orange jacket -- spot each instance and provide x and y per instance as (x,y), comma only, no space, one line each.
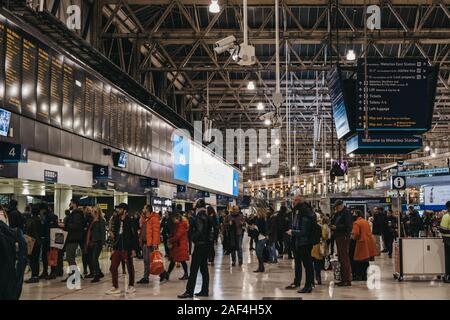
(153,229)
(365,243)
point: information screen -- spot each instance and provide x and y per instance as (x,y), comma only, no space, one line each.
(29,61)
(78,100)
(397,95)
(43,85)
(89,104)
(194,165)
(5,119)
(13,69)
(56,89)
(338,103)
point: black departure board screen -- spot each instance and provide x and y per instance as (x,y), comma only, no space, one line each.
(56,80)
(13,68)
(127,125)
(106,112)
(78,101)
(29,72)
(148,134)
(133,142)
(2,61)
(129,116)
(67,106)
(98,109)
(137,132)
(89,104)
(113,118)
(43,85)
(121,110)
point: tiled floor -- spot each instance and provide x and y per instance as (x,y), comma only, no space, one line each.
(228,282)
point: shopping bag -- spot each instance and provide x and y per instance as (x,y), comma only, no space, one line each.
(52,257)
(57,238)
(336,269)
(30,244)
(156,264)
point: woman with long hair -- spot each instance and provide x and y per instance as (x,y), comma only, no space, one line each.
(179,247)
(96,238)
(261,233)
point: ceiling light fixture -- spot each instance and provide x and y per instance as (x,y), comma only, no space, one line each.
(352,155)
(251,85)
(281,176)
(214,6)
(311,164)
(372,164)
(268,155)
(427,148)
(327,155)
(267,122)
(250,165)
(294,168)
(260,106)
(277,141)
(351,56)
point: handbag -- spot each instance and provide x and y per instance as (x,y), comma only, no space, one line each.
(156,264)
(30,244)
(57,238)
(52,257)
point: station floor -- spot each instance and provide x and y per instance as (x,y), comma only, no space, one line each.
(227,282)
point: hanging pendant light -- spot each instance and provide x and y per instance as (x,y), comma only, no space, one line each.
(351,56)
(251,85)
(214,6)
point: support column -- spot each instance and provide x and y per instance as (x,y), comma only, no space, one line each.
(63,195)
(21,203)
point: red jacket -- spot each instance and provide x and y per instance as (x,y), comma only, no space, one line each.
(179,240)
(152,226)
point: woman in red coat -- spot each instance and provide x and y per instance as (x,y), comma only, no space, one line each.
(179,246)
(365,247)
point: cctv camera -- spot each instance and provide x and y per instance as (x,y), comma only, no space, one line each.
(224,45)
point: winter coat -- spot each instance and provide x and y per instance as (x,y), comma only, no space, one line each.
(237,219)
(128,241)
(179,241)
(343,222)
(365,246)
(152,229)
(272,229)
(98,231)
(201,229)
(282,224)
(15,219)
(74,224)
(33,229)
(303,223)
(49,221)
(318,250)
(379,221)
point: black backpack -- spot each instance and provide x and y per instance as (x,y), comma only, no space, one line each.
(316,233)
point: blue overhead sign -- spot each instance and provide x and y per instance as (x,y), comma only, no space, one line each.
(101,172)
(13,153)
(382,144)
(425,172)
(50,176)
(397,95)
(181,188)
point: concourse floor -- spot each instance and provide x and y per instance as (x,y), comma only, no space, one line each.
(227,282)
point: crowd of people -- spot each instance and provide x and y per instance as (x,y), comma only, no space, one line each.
(301,233)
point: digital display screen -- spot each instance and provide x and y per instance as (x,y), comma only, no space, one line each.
(195,165)
(338,103)
(122,161)
(5,118)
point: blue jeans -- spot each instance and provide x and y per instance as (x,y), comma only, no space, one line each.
(238,249)
(273,252)
(260,247)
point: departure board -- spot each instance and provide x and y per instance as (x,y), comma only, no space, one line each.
(56,88)
(137,131)
(133,127)
(13,68)
(29,62)
(89,102)
(128,121)
(43,85)
(67,105)
(397,95)
(121,122)
(2,62)
(106,113)
(113,118)
(98,109)
(78,101)
(338,103)
(148,134)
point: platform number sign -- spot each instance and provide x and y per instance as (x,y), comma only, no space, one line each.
(398,182)
(13,153)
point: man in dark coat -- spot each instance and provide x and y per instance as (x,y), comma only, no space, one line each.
(49,220)
(201,236)
(342,228)
(15,218)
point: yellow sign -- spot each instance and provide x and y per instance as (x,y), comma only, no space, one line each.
(103,206)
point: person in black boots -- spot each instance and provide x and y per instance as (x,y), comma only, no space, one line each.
(302,226)
(74,225)
(389,232)
(201,236)
(33,229)
(260,229)
(49,220)
(213,221)
(283,226)
(96,238)
(252,234)
(165,233)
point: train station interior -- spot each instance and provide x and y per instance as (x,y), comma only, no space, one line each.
(224,150)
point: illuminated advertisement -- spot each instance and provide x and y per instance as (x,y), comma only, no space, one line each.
(194,165)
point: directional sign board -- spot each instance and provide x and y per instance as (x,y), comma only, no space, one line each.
(398,182)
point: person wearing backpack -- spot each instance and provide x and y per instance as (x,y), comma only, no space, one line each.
(304,235)
(201,236)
